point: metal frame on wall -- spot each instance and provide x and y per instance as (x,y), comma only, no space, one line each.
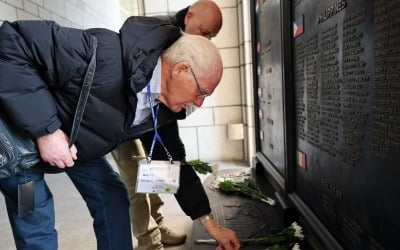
(278,175)
(284,181)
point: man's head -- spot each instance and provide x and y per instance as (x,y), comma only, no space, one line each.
(191,70)
(203,18)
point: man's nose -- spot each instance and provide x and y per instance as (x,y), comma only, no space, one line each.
(199,101)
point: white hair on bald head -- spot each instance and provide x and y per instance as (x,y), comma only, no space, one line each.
(202,55)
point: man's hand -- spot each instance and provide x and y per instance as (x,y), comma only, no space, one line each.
(226,238)
(53,148)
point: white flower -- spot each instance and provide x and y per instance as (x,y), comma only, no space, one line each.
(241,173)
(269,201)
(219,179)
(298,230)
(206,241)
(215,183)
(296,247)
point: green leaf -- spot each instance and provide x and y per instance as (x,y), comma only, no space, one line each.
(245,188)
(285,236)
(200,166)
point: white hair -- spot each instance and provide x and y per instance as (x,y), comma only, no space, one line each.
(202,55)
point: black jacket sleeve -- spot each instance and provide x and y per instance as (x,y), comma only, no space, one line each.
(191,195)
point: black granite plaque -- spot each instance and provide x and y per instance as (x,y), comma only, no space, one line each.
(347,98)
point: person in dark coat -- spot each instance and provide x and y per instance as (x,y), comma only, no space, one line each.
(148,224)
(42,66)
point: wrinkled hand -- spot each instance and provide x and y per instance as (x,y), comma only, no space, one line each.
(53,148)
(226,238)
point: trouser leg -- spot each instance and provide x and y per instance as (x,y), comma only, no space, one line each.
(34,231)
(144,227)
(106,197)
(156,204)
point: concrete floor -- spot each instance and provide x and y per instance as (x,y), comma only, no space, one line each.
(73,221)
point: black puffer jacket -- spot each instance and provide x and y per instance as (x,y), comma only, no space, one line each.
(42,66)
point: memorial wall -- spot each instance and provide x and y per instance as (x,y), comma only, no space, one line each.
(270,88)
(346,71)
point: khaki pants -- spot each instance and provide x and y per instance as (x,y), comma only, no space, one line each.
(144,208)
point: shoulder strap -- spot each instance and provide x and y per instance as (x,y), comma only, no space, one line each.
(87,83)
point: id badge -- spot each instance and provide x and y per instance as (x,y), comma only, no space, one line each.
(158,177)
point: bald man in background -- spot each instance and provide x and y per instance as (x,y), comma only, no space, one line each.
(202,18)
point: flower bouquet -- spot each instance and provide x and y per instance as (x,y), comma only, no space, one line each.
(283,239)
(200,166)
(247,188)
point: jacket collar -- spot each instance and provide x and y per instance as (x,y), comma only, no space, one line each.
(180,18)
(143,39)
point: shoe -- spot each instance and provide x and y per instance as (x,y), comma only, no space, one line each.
(170,237)
(153,247)
(151,241)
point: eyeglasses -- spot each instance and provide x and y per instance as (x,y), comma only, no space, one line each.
(202,93)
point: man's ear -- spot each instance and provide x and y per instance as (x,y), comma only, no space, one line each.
(180,68)
(188,16)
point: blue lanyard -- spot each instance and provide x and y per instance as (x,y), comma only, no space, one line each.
(157,136)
